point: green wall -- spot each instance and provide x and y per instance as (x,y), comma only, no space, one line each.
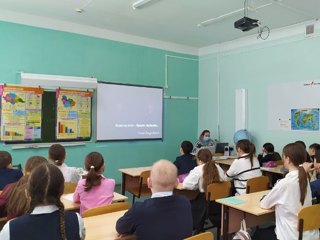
(42,51)
(254,68)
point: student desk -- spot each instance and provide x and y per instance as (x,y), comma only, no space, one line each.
(190,194)
(233,212)
(130,177)
(225,163)
(278,170)
(103,227)
(69,205)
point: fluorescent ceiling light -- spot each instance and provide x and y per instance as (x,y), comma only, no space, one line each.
(140,3)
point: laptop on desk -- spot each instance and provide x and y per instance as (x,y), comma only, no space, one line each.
(220,147)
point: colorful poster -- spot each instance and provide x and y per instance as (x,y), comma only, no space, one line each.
(73,114)
(21,113)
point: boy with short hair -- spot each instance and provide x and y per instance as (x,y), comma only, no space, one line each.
(7,174)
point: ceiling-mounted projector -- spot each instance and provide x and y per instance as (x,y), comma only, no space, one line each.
(246,24)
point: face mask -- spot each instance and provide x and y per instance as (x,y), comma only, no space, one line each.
(205,138)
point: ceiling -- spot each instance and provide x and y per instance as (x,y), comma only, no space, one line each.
(172,21)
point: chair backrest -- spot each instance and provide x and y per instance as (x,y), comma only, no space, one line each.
(218,190)
(69,187)
(3,221)
(18,166)
(308,219)
(114,207)
(144,176)
(202,236)
(258,184)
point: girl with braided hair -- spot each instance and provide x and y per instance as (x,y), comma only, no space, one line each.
(95,190)
(46,218)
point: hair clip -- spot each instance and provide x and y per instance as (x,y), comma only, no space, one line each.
(91,166)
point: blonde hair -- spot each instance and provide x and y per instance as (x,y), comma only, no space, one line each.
(164,175)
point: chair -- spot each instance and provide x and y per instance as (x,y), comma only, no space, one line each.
(114,207)
(202,236)
(3,221)
(69,187)
(142,188)
(308,219)
(258,184)
(214,192)
(18,166)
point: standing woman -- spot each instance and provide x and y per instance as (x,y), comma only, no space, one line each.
(203,141)
(245,167)
(46,218)
(290,194)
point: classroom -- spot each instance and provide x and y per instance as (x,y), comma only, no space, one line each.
(200,79)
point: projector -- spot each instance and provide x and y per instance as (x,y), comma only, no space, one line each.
(246,24)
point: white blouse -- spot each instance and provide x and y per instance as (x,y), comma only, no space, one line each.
(240,171)
(285,198)
(195,181)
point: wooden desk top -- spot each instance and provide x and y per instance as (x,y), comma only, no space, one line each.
(180,186)
(102,227)
(225,162)
(134,172)
(251,205)
(276,169)
(69,205)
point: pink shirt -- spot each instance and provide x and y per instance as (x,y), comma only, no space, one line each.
(96,196)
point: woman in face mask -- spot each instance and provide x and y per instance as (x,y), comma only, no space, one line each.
(204,141)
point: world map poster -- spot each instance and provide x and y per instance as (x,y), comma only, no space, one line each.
(305,119)
(20,113)
(73,114)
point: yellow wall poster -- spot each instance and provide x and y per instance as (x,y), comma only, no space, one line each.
(73,114)
(21,113)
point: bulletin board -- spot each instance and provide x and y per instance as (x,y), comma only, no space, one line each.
(36,115)
(294,106)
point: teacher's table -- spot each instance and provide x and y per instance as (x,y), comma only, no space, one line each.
(103,227)
(69,205)
(245,206)
(130,177)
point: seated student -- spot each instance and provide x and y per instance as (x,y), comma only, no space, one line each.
(314,167)
(95,190)
(245,167)
(7,173)
(46,218)
(57,155)
(313,148)
(186,162)
(304,147)
(289,195)
(268,154)
(163,216)
(13,200)
(203,141)
(200,177)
